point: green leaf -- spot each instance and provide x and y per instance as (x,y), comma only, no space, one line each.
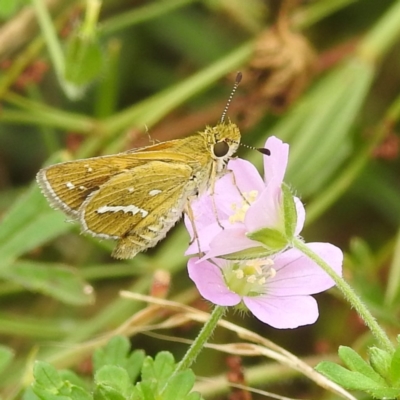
(75,392)
(84,60)
(194,396)
(315,113)
(356,363)
(134,365)
(29,394)
(70,376)
(49,385)
(160,369)
(28,224)
(107,393)
(46,376)
(113,379)
(380,361)
(6,355)
(348,379)
(394,370)
(146,390)
(116,352)
(55,280)
(385,393)
(179,386)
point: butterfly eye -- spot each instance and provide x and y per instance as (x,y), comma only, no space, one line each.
(221,149)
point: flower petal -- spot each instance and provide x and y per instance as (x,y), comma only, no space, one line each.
(296,274)
(227,192)
(267,210)
(210,283)
(301,215)
(205,236)
(283,312)
(247,177)
(276,163)
(230,241)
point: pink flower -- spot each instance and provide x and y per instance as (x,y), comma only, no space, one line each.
(276,290)
(255,214)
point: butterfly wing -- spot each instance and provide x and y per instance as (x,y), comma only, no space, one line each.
(67,185)
(138,207)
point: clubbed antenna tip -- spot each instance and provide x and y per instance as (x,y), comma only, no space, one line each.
(239,77)
(264,151)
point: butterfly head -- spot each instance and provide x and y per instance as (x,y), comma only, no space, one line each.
(223,140)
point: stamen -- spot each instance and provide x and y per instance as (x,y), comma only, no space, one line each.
(239,274)
(240,211)
(249,278)
(262,281)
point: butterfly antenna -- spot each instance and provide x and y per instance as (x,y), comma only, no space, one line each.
(262,150)
(235,86)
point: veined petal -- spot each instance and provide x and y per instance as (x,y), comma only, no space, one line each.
(210,283)
(206,234)
(301,215)
(296,274)
(276,163)
(246,175)
(266,211)
(230,241)
(283,312)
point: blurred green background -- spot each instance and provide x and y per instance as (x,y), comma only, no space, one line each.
(89,79)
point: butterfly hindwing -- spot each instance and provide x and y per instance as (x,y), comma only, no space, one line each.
(138,207)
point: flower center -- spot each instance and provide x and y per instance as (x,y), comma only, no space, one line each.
(239,211)
(248,278)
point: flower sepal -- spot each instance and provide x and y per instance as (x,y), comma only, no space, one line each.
(250,254)
(272,240)
(289,211)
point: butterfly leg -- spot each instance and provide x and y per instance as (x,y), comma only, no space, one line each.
(213,179)
(151,140)
(231,173)
(190,214)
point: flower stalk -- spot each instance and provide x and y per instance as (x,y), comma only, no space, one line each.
(201,339)
(349,294)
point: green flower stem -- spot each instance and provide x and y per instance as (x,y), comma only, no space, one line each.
(349,294)
(198,344)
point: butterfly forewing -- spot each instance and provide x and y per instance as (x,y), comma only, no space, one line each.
(68,184)
(137,196)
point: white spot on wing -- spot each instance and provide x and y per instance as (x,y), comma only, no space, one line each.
(126,209)
(70,185)
(154,192)
(89,169)
(154,228)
